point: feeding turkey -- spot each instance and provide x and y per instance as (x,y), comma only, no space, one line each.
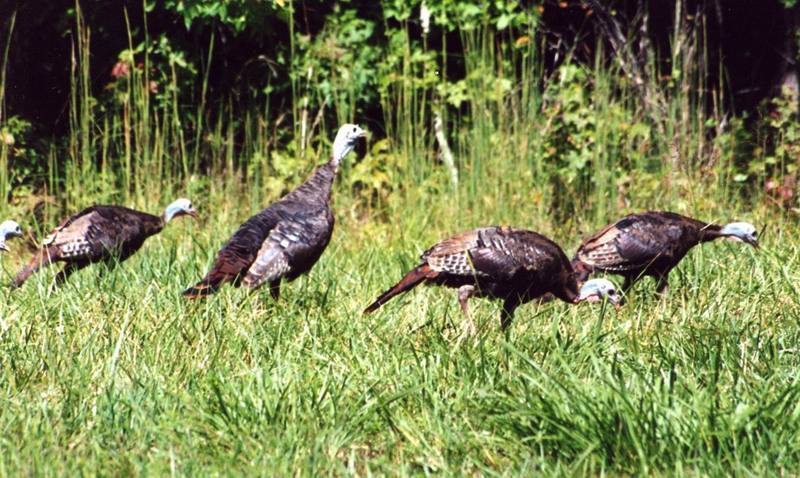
(651,244)
(99,234)
(287,238)
(512,265)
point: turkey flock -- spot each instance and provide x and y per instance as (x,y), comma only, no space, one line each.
(286,239)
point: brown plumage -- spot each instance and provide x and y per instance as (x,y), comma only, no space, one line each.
(513,265)
(284,240)
(97,234)
(650,244)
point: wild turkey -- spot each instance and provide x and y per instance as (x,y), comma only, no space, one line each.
(651,244)
(504,263)
(287,238)
(8,229)
(99,233)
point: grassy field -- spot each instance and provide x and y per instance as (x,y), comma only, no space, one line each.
(118,374)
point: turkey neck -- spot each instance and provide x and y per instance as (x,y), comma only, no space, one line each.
(709,232)
(152,224)
(318,186)
(568,290)
(697,232)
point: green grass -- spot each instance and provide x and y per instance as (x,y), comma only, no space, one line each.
(118,374)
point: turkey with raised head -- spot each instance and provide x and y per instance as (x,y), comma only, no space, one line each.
(287,238)
(651,244)
(8,229)
(99,234)
(512,265)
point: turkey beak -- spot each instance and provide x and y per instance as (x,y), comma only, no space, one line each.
(3,247)
(752,241)
(192,213)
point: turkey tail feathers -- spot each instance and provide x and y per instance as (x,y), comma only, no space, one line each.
(412,279)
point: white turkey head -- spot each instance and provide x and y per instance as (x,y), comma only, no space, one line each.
(596,290)
(346,139)
(8,229)
(741,231)
(180,207)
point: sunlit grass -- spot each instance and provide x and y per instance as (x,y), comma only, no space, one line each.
(118,372)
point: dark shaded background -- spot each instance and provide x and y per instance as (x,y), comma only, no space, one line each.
(752,40)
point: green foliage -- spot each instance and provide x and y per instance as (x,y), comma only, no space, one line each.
(785,123)
(777,151)
(571,126)
(453,15)
(579,138)
(170,71)
(16,139)
(338,66)
(236,14)
(377,176)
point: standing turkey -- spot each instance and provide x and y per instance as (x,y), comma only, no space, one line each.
(287,238)
(504,263)
(8,229)
(99,233)
(651,244)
